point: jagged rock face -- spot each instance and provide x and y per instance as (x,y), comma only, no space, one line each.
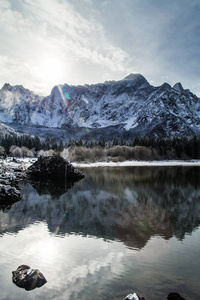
(131,104)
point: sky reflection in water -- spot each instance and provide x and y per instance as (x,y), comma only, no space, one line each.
(115,232)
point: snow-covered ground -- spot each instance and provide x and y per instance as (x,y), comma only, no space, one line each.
(24,163)
(135,163)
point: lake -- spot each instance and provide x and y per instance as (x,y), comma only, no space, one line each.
(119,230)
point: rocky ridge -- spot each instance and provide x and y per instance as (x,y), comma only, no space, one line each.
(129,107)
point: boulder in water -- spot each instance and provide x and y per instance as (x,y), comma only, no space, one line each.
(28,278)
(133,296)
(54,167)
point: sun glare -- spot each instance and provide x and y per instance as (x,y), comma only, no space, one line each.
(50,71)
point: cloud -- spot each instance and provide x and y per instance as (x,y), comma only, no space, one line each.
(13,71)
(79,36)
(161,37)
(38,30)
(100,40)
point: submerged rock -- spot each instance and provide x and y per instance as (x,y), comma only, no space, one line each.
(175,296)
(54,167)
(27,278)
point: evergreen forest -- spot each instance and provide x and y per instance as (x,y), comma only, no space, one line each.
(145,148)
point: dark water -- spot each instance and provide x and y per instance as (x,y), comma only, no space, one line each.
(118,231)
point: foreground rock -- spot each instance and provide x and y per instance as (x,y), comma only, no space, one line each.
(28,278)
(55,168)
(171,296)
(133,296)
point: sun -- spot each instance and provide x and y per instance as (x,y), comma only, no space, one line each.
(49,71)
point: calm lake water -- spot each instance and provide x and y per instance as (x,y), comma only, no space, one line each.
(120,230)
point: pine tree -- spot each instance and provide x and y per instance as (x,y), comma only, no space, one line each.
(60,146)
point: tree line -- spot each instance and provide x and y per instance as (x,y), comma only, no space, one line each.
(163,148)
(168,148)
(33,143)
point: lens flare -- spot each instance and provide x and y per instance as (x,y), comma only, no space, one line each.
(67,96)
(85,100)
(62,95)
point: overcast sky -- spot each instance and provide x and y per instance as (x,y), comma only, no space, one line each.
(48,42)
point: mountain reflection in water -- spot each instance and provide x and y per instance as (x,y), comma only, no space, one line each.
(119,230)
(129,204)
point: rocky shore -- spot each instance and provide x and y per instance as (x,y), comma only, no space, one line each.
(13,170)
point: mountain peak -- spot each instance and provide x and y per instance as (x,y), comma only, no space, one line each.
(178,87)
(7,86)
(128,107)
(136,79)
(15,88)
(133,76)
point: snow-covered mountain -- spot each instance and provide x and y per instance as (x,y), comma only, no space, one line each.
(129,107)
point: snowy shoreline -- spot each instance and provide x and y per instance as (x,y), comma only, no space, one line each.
(127,163)
(26,162)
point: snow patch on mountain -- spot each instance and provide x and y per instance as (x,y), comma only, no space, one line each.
(131,103)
